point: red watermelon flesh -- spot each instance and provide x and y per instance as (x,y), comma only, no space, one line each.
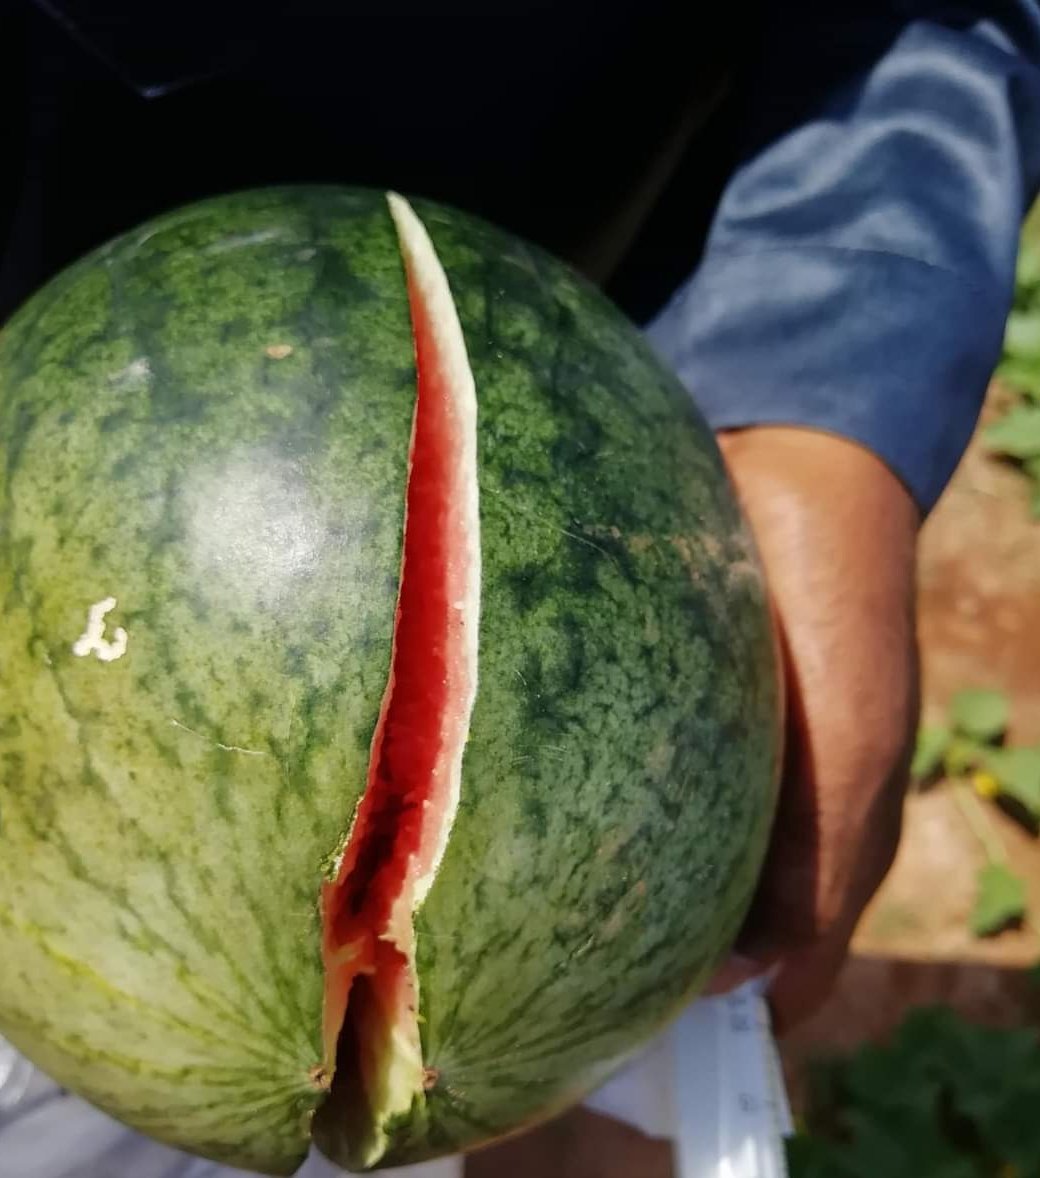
(404,817)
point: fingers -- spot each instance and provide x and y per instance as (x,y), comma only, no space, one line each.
(734,972)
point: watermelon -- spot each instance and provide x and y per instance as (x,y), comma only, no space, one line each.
(390,717)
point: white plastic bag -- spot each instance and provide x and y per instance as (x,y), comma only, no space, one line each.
(711,1083)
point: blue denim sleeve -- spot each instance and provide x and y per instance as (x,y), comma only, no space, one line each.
(860,266)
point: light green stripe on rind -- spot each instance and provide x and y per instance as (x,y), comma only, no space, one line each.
(208,421)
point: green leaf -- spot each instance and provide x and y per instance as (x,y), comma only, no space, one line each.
(1017,433)
(979,713)
(1022,334)
(941,1099)
(1018,773)
(931,747)
(1011,1129)
(963,754)
(1027,267)
(1000,898)
(1022,375)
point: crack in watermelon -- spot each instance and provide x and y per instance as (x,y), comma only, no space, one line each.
(371,1029)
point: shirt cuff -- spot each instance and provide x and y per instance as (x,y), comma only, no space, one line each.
(886,350)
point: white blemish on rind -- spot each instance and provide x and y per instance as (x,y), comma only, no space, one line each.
(93,641)
(426,273)
(136,370)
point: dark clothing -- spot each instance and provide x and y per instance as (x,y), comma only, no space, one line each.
(866,164)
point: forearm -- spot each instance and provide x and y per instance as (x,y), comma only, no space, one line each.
(837,533)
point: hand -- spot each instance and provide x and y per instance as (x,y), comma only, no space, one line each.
(837,534)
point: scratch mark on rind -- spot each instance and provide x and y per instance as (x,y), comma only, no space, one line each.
(227,748)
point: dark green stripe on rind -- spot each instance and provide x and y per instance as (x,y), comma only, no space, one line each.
(619,780)
(208,420)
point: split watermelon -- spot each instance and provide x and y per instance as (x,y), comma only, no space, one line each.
(389,708)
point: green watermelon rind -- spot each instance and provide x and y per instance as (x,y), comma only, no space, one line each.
(620,777)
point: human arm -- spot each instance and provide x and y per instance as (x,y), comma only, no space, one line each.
(840,334)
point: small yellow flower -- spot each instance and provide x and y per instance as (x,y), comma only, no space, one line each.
(985,784)
(1008,1170)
